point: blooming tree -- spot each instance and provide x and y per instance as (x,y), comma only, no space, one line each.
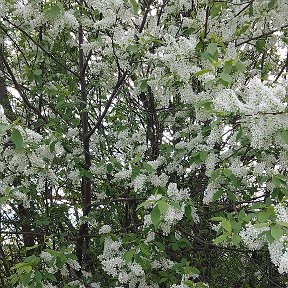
(143,143)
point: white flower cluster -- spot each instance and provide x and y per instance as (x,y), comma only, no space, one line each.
(48,285)
(259,105)
(279,254)
(226,101)
(209,193)
(22,197)
(139,182)
(46,256)
(171,217)
(105,229)
(250,235)
(163,263)
(111,258)
(177,195)
(113,263)
(24,12)
(158,180)
(257,98)
(73,264)
(76,283)
(67,20)
(281,212)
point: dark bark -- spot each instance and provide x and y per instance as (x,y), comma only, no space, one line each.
(82,243)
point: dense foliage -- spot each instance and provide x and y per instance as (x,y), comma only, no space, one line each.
(143,143)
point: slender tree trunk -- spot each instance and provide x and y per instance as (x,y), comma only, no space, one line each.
(82,243)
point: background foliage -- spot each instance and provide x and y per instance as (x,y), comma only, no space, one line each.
(143,143)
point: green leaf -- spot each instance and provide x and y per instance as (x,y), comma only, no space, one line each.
(263,216)
(32,247)
(194,270)
(236,239)
(160,246)
(109,168)
(145,203)
(148,167)
(212,48)
(51,277)
(155,216)
(163,206)
(278,181)
(276,232)
(27,268)
(216,9)
(19,265)
(135,172)
(189,283)
(143,85)
(203,155)
(231,196)
(236,227)
(3,128)
(227,67)
(144,249)
(284,136)
(17,138)
(138,259)
(260,44)
(243,29)
(281,223)
(226,77)
(239,134)
(133,49)
(271,4)
(134,5)
(54,12)
(201,72)
(269,237)
(14,279)
(217,218)
(188,212)
(38,276)
(128,256)
(218,194)
(226,225)
(240,67)
(26,278)
(220,239)
(227,172)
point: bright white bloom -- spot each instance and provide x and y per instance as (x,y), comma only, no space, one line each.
(279,254)
(46,256)
(251,236)
(74,264)
(136,269)
(175,194)
(76,283)
(209,193)
(283,263)
(172,216)
(281,213)
(112,265)
(105,229)
(150,236)
(139,182)
(22,197)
